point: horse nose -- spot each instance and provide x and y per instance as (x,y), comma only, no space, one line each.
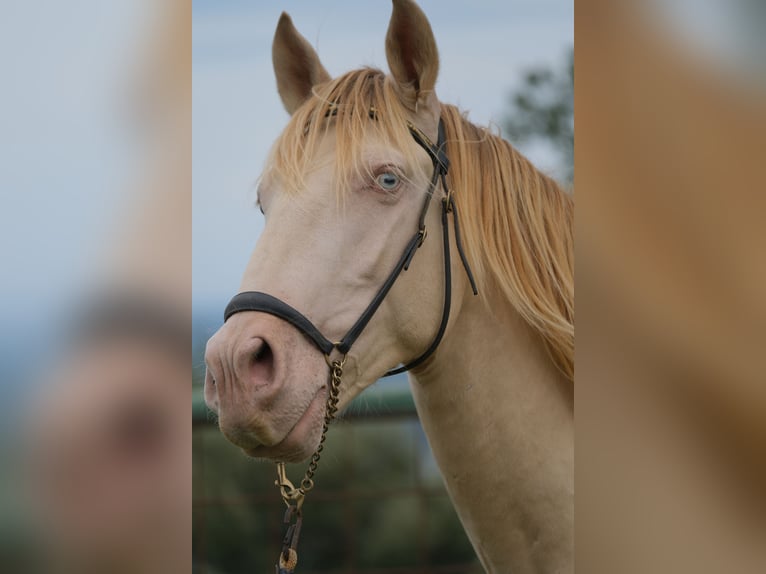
(236,369)
(241,386)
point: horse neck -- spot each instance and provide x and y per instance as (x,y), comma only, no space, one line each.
(499,419)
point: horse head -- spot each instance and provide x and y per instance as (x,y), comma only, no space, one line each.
(347,185)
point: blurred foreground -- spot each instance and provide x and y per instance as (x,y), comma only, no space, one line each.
(96,441)
(671,279)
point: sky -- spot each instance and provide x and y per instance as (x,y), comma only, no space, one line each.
(67,148)
(484,49)
(65,144)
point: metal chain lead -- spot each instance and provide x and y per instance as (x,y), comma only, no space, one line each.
(294,496)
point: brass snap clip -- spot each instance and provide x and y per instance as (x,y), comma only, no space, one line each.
(291,495)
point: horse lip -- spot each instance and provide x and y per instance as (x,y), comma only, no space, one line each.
(241,437)
(282,450)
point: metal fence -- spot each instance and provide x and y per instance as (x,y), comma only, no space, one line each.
(379,505)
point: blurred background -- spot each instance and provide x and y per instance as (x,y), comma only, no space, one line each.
(379,504)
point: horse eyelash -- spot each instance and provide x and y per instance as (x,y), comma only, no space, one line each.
(374,172)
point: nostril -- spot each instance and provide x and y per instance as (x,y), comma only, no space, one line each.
(211,390)
(209,377)
(263,353)
(262,363)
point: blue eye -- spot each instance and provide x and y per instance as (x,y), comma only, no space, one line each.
(387,181)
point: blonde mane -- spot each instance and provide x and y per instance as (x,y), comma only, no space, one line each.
(517,223)
(518,231)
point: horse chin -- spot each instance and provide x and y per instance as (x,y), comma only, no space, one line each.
(301,440)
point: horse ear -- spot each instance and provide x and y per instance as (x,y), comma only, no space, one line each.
(296,65)
(411,50)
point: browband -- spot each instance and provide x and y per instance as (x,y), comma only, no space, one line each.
(265,303)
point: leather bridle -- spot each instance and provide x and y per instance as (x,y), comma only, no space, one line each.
(292,495)
(265,303)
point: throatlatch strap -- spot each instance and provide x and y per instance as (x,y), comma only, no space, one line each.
(447,303)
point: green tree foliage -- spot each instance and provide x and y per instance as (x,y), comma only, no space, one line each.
(542,109)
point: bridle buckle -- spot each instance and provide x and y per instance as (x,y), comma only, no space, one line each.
(447,200)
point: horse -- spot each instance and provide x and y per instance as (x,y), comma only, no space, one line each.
(368,163)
